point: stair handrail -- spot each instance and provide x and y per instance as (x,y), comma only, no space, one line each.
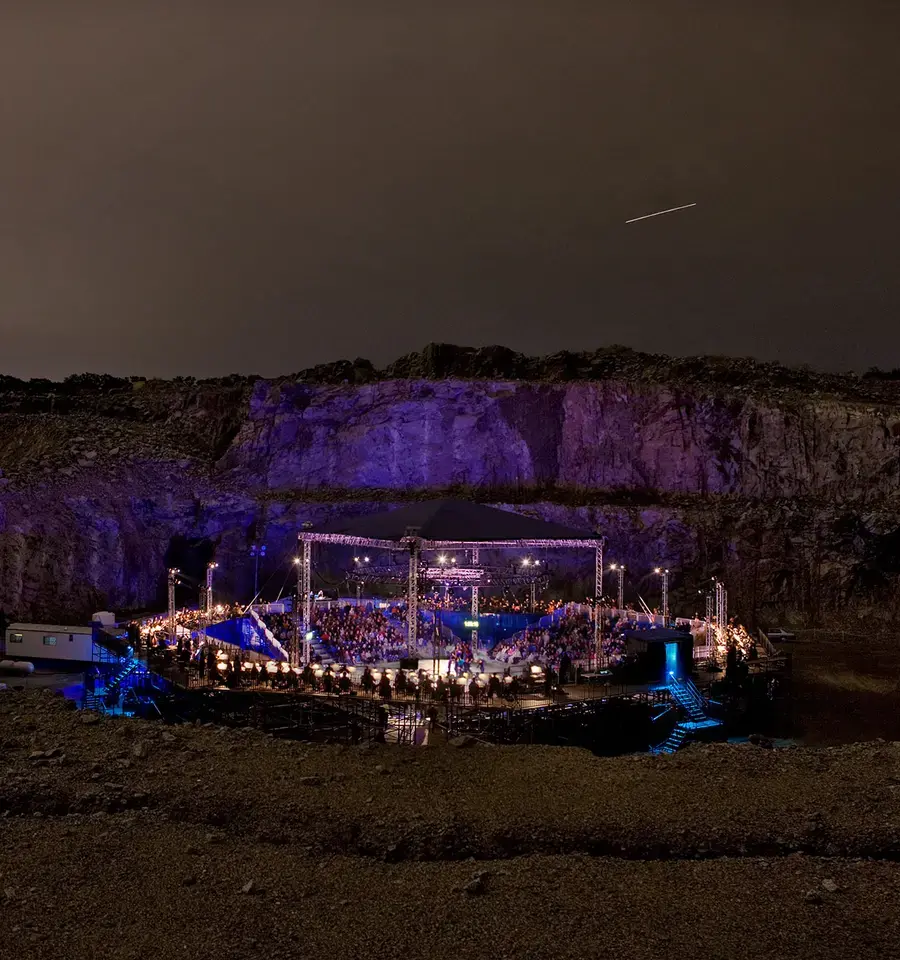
(267,634)
(686,693)
(768,646)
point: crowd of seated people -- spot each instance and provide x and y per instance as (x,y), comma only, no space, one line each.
(281,625)
(462,656)
(357,634)
(492,603)
(572,635)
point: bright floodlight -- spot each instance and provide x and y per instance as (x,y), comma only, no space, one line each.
(296,559)
(442,559)
(657,570)
(365,559)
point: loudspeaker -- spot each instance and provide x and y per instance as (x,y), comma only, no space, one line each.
(410,663)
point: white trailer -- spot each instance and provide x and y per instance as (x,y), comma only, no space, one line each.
(48,641)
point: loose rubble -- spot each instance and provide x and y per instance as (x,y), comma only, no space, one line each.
(542,852)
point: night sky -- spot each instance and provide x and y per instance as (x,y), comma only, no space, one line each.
(258,187)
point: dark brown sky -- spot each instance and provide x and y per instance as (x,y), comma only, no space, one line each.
(264,185)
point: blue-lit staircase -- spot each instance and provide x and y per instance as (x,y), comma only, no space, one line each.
(129,672)
(698,726)
(689,698)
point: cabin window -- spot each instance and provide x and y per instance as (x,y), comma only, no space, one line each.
(71,637)
(15,638)
(49,641)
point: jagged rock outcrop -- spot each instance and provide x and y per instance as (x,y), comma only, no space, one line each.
(786,482)
(414,434)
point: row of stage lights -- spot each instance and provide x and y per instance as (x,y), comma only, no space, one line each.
(621,566)
(442,559)
(526,562)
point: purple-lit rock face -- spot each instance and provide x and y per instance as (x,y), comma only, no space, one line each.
(790,494)
(403,435)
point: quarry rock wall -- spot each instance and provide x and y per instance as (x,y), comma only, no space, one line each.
(792,495)
(413,435)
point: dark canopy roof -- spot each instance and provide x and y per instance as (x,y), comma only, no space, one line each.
(451,521)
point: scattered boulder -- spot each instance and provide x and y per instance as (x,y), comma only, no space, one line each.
(462,742)
(476,886)
(760,741)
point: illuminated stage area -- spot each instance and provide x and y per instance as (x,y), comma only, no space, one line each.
(434,659)
(430,534)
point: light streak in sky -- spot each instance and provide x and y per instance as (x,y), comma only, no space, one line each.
(659,213)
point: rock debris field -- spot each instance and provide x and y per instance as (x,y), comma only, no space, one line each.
(124,839)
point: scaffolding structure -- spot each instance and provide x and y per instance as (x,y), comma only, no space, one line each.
(412,609)
(475,556)
(664,574)
(598,602)
(303,607)
(416,546)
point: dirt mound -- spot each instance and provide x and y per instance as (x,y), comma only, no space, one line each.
(216,842)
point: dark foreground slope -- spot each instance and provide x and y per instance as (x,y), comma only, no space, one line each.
(127,840)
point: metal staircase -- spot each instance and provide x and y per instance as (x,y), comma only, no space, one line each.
(698,725)
(321,651)
(130,671)
(93,701)
(689,698)
(675,741)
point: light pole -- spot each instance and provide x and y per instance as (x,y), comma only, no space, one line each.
(598,599)
(358,561)
(721,610)
(256,551)
(528,562)
(172,580)
(209,589)
(620,572)
(665,593)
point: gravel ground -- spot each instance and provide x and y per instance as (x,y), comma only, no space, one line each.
(121,838)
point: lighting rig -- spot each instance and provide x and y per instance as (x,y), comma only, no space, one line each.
(447,571)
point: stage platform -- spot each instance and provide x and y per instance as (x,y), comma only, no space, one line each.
(535,699)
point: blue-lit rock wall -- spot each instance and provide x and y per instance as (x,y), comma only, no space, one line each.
(403,435)
(793,499)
